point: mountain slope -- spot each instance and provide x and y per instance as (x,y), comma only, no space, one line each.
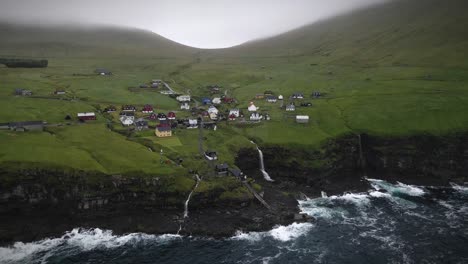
(85,41)
(422,32)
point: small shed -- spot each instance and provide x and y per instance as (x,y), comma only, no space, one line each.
(222,169)
(302,119)
(184,106)
(103,72)
(86,116)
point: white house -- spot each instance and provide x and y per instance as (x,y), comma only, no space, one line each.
(252,107)
(127,120)
(256,116)
(298,96)
(216,100)
(183,98)
(234,111)
(280,97)
(193,123)
(290,107)
(184,106)
(302,119)
(213,112)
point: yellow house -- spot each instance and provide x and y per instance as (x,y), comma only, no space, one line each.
(163,131)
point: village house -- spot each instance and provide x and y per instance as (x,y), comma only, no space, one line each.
(23,92)
(235,112)
(86,116)
(252,107)
(171,116)
(302,119)
(129,108)
(297,96)
(141,124)
(183,98)
(154,85)
(206,100)
(266,116)
(24,126)
(237,173)
(147,109)
(316,94)
(103,72)
(153,116)
(216,100)
(268,93)
(184,106)
(271,99)
(213,112)
(162,116)
(222,169)
(280,97)
(127,118)
(214,89)
(255,116)
(59,92)
(211,155)
(163,130)
(228,100)
(110,109)
(192,123)
(306,104)
(259,96)
(290,107)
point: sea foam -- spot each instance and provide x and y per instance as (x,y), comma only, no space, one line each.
(280,233)
(84,239)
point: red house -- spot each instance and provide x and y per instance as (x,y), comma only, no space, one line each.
(171,116)
(153,116)
(228,100)
(86,116)
(147,109)
(232,117)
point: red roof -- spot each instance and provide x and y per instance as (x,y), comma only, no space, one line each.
(171,114)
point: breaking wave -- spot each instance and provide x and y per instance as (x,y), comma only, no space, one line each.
(280,233)
(76,240)
(398,188)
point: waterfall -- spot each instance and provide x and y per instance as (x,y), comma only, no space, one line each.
(190,196)
(324,194)
(266,176)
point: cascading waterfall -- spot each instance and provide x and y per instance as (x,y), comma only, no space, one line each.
(190,196)
(266,176)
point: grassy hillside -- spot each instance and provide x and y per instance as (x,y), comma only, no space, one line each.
(395,69)
(85,41)
(401,32)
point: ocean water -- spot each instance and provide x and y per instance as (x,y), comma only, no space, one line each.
(391,223)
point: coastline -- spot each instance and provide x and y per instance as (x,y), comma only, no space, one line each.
(47,205)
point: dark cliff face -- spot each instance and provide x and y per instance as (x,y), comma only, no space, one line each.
(341,164)
(39,204)
(424,159)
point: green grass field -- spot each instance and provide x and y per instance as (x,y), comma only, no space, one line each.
(402,74)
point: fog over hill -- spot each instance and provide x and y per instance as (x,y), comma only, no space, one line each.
(203,23)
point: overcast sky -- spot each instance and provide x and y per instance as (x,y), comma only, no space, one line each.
(198,23)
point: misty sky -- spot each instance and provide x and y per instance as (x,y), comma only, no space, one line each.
(198,23)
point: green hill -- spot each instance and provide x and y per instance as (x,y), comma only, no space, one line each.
(416,32)
(85,41)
